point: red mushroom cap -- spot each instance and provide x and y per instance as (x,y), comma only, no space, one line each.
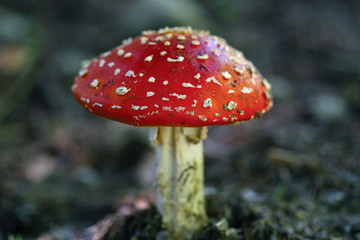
(173,77)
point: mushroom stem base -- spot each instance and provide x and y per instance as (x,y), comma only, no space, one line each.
(180,176)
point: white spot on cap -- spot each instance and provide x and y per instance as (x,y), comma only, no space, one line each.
(149,94)
(239,53)
(105,54)
(94,83)
(213,79)
(116,107)
(231,91)
(122,90)
(151,79)
(85,64)
(193,37)
(147,32)
(164,99)
(127,41)
(163,53)
(134,107)
(117,71)
(110,64)
(207,103)
(143,107)
(226,75)
(194,103)
(181,37)
(215,52)
(73,87)
(102,63)
(238,70)
(237,61)
(167,43)
(166,108)
(195,42)
(83,72)
(246,90)
(155,105)
(130,73)
(120,52)
(179,109)
(151,43)
(225,118)
(159,38)
(202,118)
(128,55)
(97,104)
(165,82)
(231,105)
(143,39)
(190,85)
(141,74)
(149,58)
(168,35)
(197,76)
(179,96)
(85,99)
(203,57)
(179,59)
(179,46)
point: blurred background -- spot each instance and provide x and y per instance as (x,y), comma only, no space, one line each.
(293,173)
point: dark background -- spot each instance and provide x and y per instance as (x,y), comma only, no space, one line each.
(298,168)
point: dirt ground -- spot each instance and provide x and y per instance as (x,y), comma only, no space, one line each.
(293,174)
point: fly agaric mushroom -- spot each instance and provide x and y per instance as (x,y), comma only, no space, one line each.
(178,80)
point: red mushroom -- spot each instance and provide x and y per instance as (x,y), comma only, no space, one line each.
(178,80)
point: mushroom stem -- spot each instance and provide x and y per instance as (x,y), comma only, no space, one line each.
(180,176)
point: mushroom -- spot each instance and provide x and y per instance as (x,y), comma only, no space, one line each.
(180,81)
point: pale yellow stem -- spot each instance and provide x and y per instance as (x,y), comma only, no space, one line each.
(180,176)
